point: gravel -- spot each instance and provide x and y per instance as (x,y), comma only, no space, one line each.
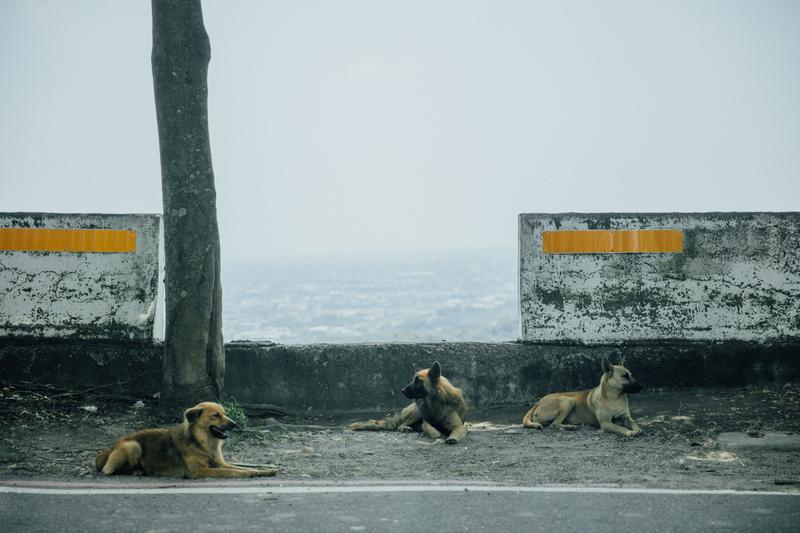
(47,436)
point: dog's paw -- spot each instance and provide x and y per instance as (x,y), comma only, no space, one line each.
(451,440)
(267,472)
(405,429)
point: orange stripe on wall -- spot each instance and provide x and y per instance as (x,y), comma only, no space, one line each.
(640,241)
(67,240)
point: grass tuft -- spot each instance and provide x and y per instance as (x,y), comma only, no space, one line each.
(235,411)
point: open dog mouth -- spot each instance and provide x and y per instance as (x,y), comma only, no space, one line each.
(218,432)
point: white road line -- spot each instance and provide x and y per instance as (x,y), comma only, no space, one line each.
(378,489)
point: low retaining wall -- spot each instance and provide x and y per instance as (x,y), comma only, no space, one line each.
(368,377)
(117,366)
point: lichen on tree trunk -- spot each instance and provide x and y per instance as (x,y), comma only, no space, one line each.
(194,360)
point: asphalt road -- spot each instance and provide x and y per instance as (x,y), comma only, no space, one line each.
(392,508)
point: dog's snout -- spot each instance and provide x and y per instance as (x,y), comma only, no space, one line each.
(413,391)
(633,387)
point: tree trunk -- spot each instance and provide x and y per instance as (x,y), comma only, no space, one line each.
(194,358)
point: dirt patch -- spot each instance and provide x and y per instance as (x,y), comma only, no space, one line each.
(48,433)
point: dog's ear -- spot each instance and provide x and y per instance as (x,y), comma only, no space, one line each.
(608,368)
(621,361)
(193,414)
(435,372)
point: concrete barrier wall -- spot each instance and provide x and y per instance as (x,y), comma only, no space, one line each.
(738,278)
(368,377)
(721,312)
(79,294)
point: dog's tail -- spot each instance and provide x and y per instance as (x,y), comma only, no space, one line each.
(102,457)
(385,424)
(528,422)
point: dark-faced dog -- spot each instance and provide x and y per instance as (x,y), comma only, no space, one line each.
(438,409)
(605,405)
(191,449)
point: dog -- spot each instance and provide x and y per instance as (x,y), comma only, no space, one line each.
(191,449)
(438,409)
(603,406)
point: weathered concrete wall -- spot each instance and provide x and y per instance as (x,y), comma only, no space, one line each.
(737,279)
(125,367)
(86,295)
(368,377)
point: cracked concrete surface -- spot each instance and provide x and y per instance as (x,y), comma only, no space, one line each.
(80,295)
(738,278)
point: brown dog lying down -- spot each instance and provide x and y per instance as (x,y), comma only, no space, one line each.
(438,409)
(191,449)
(605,405)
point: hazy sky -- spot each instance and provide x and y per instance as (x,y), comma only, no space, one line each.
(345,125)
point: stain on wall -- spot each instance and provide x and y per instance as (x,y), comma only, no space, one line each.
(738,278)
(84,295)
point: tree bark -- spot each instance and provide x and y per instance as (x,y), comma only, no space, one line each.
(194,359)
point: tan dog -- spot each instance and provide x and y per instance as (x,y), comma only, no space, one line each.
(603,406)
(438,409)
(191,449)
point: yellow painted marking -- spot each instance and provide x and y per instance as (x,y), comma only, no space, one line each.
(641,241)
(67,240)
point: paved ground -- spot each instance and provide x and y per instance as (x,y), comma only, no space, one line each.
(336,480)
(46,436)
(248,507)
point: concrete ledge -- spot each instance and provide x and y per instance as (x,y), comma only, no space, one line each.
(368,377)
(769,440)
(130,367)
(344,377)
